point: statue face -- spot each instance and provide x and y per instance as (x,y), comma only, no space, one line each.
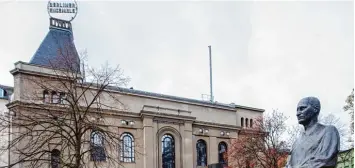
(305,112)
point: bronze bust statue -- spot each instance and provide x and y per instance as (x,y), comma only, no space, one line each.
(318,146)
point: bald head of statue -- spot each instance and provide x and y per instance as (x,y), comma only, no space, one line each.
(308,110)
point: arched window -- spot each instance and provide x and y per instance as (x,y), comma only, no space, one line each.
(168,151)
(251,123)
(55,158)
(97,146)
(242,122)
(246,122)
(201,149)
(222,152)
(46,97)
(127,148)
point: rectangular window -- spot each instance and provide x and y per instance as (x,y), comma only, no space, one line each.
(46,97)
(55,98)
(62,98)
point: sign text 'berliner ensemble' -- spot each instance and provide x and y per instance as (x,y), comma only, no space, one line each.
(62,7)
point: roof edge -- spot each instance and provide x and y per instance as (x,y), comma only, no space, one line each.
(182,99)
(250,108)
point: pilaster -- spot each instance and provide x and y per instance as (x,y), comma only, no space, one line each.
(188,160)
(213,151)
(148,142)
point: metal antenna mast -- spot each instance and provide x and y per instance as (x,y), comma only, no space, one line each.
(210,53)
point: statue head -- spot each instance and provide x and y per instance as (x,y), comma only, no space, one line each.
(308,110)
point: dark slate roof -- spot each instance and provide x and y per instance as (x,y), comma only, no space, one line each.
(57,50)
(176,98)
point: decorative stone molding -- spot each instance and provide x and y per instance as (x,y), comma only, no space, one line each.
(145,113)
(178,145)
(159,109)
(216,125)
(62,108)
(168,121)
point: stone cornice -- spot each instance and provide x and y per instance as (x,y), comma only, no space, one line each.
(215,125)
(169,121)
(249,108)
(146,113)
(251,132)
(158,108)
(38,70)
(62,108)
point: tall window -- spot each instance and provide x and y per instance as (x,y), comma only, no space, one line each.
(251,123)
(62,98)
(201,149)
(97,146)
(127,148)
(55,158)
(46,97)
(246,122)
(222,151)
(242,122)
(168,151)
(55,97)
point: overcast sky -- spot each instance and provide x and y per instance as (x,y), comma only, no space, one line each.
(265,54)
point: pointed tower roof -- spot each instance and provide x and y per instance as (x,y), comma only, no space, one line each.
(57,50)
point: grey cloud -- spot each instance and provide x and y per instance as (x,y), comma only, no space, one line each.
(265,54)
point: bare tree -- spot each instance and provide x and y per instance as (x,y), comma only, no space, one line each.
(349,107)
(345,156)
(65,119)
(260,146)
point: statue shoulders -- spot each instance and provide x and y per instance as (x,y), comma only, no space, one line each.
(329,128)
(329,131)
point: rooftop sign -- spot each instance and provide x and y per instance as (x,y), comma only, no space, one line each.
(62,9)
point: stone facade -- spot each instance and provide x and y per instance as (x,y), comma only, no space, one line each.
(155,115)
(3,137)
(5,93)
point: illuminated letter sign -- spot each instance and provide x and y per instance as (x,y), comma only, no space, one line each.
(62,9)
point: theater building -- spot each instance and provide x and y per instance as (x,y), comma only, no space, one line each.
(166,130)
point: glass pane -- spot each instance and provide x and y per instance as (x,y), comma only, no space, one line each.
(201,150)
(168,151)
(127,150)
(222,147)
(47,98)
(97,139)
(55,158)
(55,98)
